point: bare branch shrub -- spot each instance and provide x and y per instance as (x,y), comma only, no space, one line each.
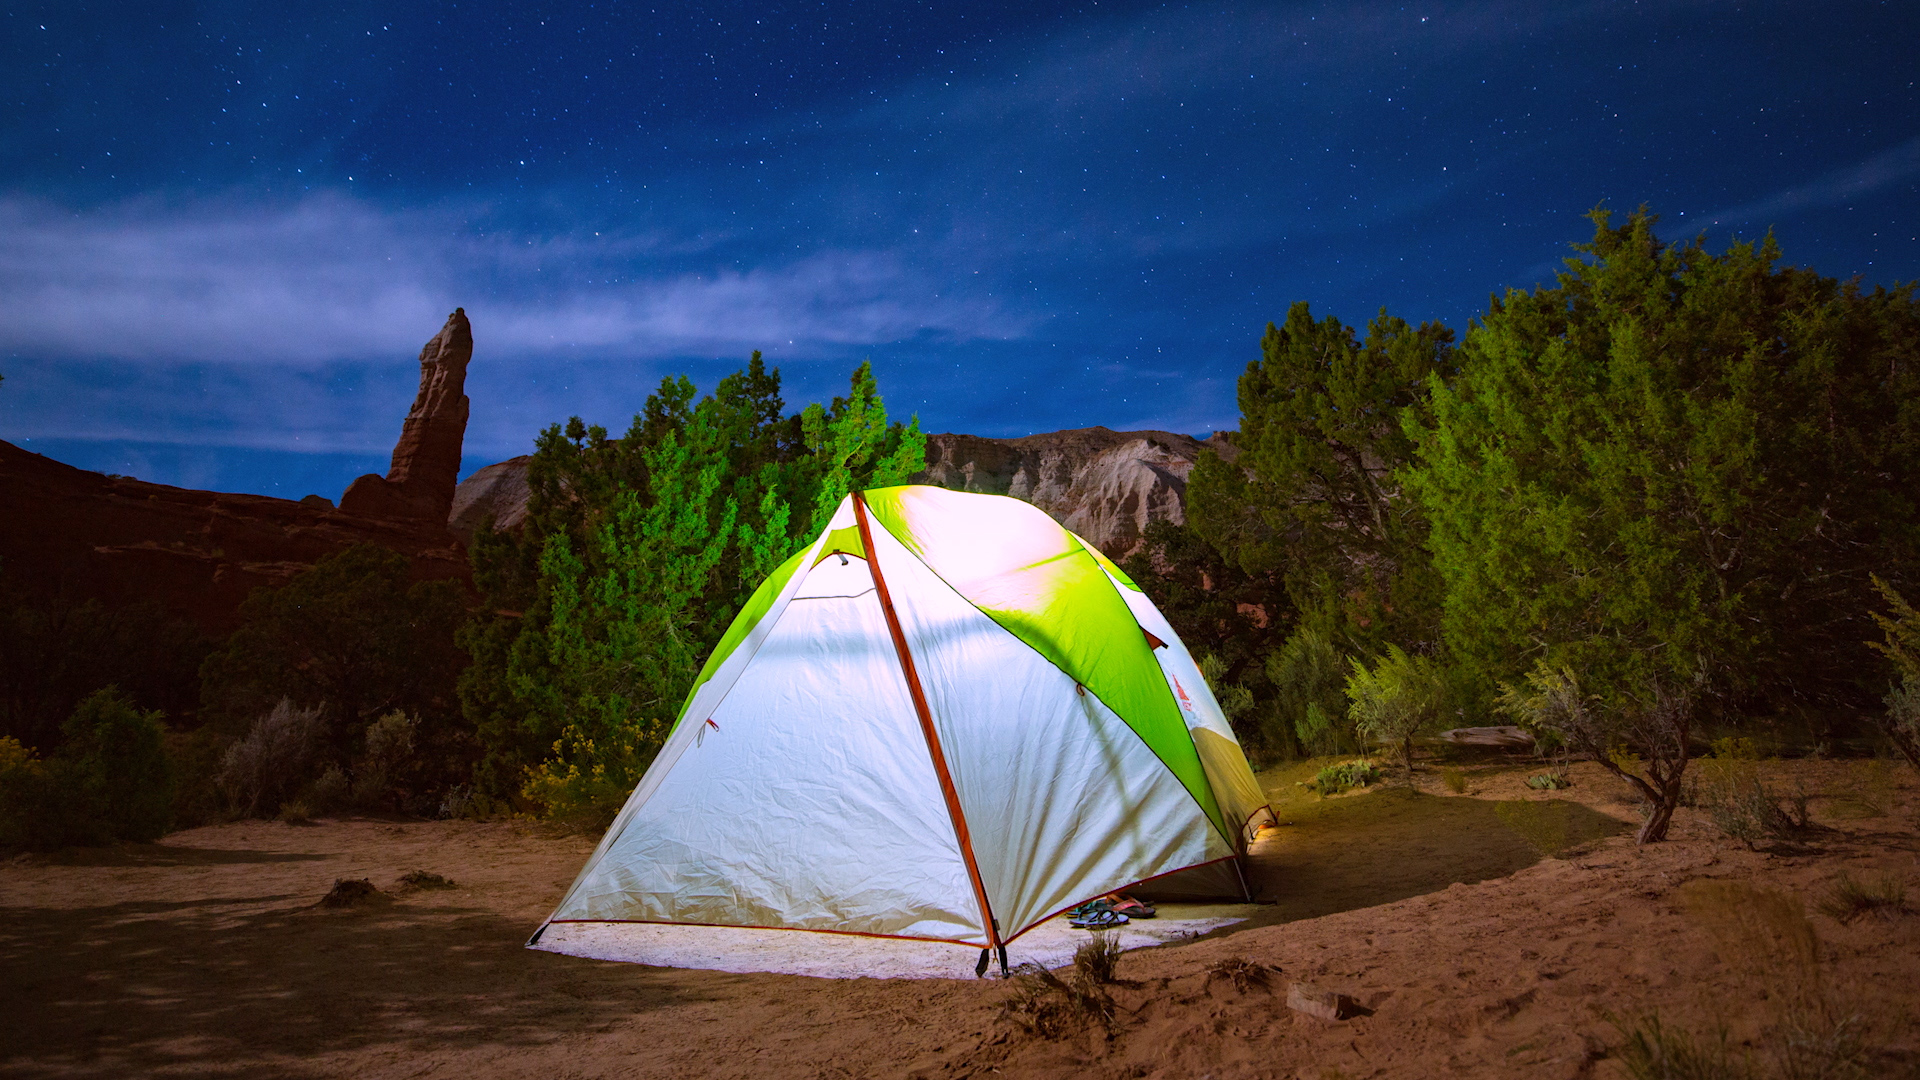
(1659,725)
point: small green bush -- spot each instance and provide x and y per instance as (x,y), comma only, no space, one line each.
(1549,781)
(1345,776)
(1455,780)
(111,780)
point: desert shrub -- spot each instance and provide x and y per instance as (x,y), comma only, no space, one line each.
(1545,825)
(1309,684)
(266,767)
(590,798)
(296,812)
(380,779)
(111,780)
(1345,776)
(1745,810)
(1847,899)
(1236,701)
(1550,781)
(330,791)
(1398,698)
(1659,723)
(356,638)
(1455,780)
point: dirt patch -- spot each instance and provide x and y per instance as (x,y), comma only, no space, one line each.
(1476,954)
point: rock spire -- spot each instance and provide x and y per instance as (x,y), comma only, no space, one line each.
(426,460)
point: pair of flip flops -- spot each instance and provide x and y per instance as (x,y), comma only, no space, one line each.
(1108,911)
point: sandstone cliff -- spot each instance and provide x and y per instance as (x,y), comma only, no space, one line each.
(497,493)
(426,461)
(120,540)
(1105,485)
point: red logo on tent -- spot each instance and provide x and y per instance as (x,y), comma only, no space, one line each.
(1185,702)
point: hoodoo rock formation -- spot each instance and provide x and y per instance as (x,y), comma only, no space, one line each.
(426,461)
(199,553)
(1105,485)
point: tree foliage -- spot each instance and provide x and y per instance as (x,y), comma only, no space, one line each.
(1396,699)
(110,780)
(637,553)
(353,636)
(1312,498)
(1674,465)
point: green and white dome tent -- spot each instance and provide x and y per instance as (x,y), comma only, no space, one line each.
(949,718)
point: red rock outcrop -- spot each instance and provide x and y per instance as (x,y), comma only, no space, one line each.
(199,553)
(426,461)
(1105,485)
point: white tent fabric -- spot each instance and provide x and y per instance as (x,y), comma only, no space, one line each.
(801,790)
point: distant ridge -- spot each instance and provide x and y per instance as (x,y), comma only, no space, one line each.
(1105,485)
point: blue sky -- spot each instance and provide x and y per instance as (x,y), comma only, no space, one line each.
(226,229)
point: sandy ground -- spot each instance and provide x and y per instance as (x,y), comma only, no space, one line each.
(206,955)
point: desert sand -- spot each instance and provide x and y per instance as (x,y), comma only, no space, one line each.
(1468,951)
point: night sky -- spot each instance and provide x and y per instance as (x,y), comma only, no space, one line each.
(227,229)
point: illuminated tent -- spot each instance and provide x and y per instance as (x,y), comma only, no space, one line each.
(949,719)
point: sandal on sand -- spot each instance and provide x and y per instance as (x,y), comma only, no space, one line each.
(1131,908)
(1104,919)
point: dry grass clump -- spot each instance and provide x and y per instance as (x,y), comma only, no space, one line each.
(1051,1007)
(1654,1051)
(1244,974)
(1848,899)
(1455,779)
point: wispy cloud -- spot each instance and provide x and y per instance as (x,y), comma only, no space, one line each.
(330,278)
(1877,173)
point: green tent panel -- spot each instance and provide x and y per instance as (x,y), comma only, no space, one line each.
(948,718)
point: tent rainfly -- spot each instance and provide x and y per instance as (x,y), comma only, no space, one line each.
(949,718)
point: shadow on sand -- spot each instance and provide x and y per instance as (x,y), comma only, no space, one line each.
(1365,850)
(207,989)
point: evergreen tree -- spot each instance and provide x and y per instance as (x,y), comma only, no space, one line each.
(1675,471)
(636,555)
(1312,506)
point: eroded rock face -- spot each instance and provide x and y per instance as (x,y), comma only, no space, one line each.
(1105,485)
(497,493)
(426,461)
(200,553)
